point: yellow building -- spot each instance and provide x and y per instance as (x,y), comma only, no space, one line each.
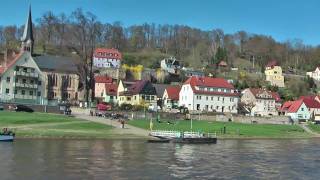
(137,93)
(274,75)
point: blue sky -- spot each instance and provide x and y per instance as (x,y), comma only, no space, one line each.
(281,19)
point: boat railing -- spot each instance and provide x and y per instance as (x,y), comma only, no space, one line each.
(177,134)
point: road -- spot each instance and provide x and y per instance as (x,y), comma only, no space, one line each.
(128,130)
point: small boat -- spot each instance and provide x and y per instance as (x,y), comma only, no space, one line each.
(7,135)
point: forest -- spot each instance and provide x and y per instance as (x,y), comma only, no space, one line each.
(81,32)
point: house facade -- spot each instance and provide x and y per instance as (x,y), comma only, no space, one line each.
(22,81)
(170,65)
(209,94)
(171,97)
(107,58)
(100,83)
(314,74)
(110,93)
(260,102)
(313,106)
(140,92)
(296,110)
(273,73)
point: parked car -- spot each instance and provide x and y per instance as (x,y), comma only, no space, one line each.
(23,108)
(1,107)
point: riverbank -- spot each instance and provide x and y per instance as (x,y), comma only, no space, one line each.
(54,126)
(232,130)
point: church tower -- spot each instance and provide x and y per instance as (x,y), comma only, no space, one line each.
(27,37)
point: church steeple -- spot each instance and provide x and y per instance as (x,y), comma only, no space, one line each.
(27,37)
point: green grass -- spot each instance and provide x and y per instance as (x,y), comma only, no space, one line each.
(232,129)
(314,127)
(52,125)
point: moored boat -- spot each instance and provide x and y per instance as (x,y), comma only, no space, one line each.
(6,135)
(184,137)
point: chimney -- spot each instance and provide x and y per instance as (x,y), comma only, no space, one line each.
(5,57)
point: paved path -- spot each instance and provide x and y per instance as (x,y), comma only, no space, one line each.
(128,130)
(308,130)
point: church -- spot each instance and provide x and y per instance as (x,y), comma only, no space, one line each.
(38,79)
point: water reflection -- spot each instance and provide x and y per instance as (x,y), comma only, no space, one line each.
(135,159)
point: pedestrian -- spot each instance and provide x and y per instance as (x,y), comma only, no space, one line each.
(122,124)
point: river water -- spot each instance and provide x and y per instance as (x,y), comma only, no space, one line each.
(136,159)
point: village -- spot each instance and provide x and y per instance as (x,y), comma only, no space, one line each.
(48,80)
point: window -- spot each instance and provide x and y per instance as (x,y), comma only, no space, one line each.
(218,98)
(211,99)
(207,98)
(7,91)
(217,107)
(8,79)
(39,93)
(24,80)
(111,97)
(31,81)
(31,93)
(15,91)
(152,97)
(198,106)
(17,68)
(23,92)
(32,70)
(25,69)
(39,83)
(16,80)
(128,98)
(302,109)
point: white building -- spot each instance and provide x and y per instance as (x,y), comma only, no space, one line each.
(314,74)
(260,102)
(107,58)
(170,65)
(208,94)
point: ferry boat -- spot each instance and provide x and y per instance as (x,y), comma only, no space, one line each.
(183,137)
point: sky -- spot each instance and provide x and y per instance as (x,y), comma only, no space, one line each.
(282,19)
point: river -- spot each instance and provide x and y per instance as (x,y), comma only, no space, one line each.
(136,159)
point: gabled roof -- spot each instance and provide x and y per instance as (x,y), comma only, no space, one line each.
(57,63)
(11,63)
(272,63)
(274,95)
(310,101)
(102,79)
(209,82)
(291,106)
(173,92)
(140,87)
(111,89)
(212,83)
(107,53)
(160,89)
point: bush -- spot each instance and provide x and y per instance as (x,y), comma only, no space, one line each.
(126,107)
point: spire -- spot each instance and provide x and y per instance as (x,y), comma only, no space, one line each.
(27,33)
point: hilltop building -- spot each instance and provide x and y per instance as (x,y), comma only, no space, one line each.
(314,74)
(273,74)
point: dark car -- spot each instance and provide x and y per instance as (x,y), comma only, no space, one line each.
(1,107)
(23,108)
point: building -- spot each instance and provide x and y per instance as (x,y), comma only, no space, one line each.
(62,81)
(313,106)
(189,72)
(110,93)
(140,92)
(22,81)
(107,58)
(208,94)
(171,97)
(296,110)
(170,65)
(273,74)
(260,102)
(100,83)
(314,74)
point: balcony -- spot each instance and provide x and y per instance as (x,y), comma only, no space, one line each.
(26,85)
(26,74)
(19,96)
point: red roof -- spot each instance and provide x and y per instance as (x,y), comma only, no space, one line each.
(272,63)
(210,82)
(173,92)
(310,102)
(107,53)
(3,69)
(111,89)
(102,79)
(291,106)
(276,96)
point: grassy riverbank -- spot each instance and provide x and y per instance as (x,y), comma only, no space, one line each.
(233,130)
(314,127)
(41,125)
